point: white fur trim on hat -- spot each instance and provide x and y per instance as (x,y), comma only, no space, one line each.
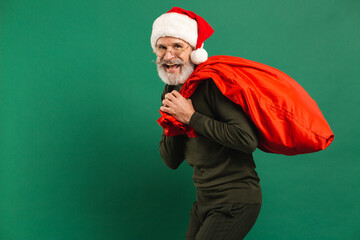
(199,56)
(175,25)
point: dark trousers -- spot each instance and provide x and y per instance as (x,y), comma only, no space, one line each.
(221,222)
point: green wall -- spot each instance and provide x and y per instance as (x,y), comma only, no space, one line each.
(79,99)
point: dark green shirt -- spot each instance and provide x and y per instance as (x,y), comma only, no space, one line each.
(221,154)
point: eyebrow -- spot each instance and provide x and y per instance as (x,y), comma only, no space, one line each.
(175,43)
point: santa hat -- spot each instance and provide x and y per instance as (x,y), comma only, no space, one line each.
(186,25)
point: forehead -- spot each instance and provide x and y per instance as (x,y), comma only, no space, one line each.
(170,41)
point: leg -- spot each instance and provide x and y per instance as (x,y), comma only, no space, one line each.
(194,223)
(230,222)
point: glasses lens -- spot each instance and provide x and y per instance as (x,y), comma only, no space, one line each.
(160,52)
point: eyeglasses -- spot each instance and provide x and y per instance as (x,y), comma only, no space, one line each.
(160,51)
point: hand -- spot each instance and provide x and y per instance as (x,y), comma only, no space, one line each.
(178,106)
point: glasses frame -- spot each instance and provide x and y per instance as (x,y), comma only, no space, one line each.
(172,52)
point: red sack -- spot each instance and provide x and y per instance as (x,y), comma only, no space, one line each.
(288,119)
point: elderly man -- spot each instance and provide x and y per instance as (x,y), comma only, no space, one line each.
(228,199)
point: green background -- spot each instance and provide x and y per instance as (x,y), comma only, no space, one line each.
(79,99)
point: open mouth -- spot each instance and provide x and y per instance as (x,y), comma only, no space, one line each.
(172,67)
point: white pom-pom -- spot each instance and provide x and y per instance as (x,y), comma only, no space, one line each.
(199,56)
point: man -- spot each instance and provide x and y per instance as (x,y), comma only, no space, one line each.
(228,197)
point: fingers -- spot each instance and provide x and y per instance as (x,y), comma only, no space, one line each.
(166,102)
(169,96)
(166,110)
(176,93)
(173,95)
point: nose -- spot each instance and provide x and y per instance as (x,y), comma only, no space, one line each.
(168,55)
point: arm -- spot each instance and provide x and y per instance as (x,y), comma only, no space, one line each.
(231,128)
(171,148)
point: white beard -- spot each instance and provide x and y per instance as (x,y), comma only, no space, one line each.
(175,79)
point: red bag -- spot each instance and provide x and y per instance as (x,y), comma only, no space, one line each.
(288,119)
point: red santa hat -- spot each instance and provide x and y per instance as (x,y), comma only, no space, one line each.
(186,25)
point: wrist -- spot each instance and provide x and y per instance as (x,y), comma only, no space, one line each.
(189,117)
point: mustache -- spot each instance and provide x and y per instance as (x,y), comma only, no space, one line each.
(175,61)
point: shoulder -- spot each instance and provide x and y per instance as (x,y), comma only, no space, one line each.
(218,100)
(211,90)
(206,85)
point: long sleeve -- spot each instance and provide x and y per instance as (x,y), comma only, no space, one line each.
(171,148)
(229,126)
